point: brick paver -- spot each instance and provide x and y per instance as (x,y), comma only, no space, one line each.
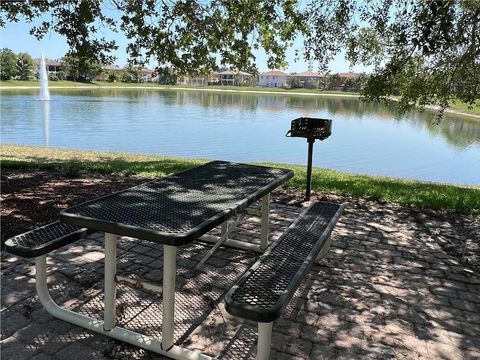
(387,289)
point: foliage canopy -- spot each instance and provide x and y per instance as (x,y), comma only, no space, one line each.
(8,61)
(427,52)
(25,66)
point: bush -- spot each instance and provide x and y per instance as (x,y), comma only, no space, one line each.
(112,76)
(52,77)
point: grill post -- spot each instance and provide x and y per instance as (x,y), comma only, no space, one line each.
(309,168)
(311,129)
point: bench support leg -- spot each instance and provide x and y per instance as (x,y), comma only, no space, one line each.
(169,273)
(265,218)
(109,314)
(324,250)
(264,340)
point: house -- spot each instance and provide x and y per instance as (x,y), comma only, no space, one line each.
(53,66)
(308,78)
(233,77)
(348,75)
(148,75)
(107,70)
(340,80)
(273,78)
(112,68)
(210,79)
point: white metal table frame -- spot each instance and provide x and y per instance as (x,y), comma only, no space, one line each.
(264,232)
(108,327)
(166,345)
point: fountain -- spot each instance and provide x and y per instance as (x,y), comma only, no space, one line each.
(44,93)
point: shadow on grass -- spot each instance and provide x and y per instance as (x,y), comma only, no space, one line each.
(422,195)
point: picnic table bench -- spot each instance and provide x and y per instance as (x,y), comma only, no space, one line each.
(263,291)
(45,239)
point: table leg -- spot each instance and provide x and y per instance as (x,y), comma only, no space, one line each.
(109,315)
(264,340)
(169,273)
(265,218)
(118,333)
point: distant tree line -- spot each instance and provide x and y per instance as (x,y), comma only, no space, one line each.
(330,82)
(22,66)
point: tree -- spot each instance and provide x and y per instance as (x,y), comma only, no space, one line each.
(25,66)
(85,70)
(8,61)
(333,82)
(426,51)
(293,82)
(131,74)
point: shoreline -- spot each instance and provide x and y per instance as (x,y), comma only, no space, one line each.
(263,92)
(177,88)
(413,193)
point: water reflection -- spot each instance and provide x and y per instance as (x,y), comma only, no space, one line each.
(461,133)
(367,137)
(46,121)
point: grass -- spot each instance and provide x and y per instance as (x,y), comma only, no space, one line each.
(412,193)
(461,106)
(36,83)
(95,84)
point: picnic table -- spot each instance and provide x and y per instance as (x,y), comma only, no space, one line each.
(174,211)
(171,211)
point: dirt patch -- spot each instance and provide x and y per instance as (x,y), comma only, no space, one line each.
(31,198)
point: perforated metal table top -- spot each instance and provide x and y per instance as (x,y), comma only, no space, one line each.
(177,209)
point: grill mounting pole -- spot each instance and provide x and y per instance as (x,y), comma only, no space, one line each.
(309,168)
(311,129)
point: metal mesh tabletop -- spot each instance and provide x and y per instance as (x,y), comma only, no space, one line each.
(177,209)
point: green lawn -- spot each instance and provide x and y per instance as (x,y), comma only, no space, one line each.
(36,83)
(64,83)
(412,193)
(461,106)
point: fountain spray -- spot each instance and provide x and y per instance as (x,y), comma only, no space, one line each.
(44,93)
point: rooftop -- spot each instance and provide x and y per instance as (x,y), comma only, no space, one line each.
(349,74)
(233,72)
(274,72)
(307,74)
(49,62)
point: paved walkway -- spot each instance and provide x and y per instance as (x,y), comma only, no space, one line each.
(385,290)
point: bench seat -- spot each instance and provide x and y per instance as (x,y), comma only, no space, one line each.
(265,289)
(44,239)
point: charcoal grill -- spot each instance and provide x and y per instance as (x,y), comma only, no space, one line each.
(311,129)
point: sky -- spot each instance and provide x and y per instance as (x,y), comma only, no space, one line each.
(15,36)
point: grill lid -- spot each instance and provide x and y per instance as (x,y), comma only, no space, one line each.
(310,128)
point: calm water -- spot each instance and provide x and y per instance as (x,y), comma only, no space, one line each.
(367,138)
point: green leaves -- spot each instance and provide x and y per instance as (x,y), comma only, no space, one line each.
(8,61)
(25,66)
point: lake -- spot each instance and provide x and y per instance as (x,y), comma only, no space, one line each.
(366,138)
